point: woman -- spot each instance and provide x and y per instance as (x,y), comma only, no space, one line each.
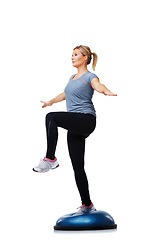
(79,120)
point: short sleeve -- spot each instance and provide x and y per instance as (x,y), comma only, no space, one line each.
(92,75)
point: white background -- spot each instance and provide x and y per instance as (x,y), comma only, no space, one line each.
(122,155)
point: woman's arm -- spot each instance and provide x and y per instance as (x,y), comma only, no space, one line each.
(101,88)
(57,99)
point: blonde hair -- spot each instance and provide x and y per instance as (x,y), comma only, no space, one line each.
(86,51)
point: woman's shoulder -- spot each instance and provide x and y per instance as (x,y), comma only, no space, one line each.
(72,76)
(92,75)
(89,76)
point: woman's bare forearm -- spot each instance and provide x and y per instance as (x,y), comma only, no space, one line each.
(61,97)
(102,88)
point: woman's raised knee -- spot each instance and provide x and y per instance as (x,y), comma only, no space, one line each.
(50,116)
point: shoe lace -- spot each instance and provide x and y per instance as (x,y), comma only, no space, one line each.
(42,162)
(80,207)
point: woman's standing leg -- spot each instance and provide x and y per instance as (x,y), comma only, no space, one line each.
(76,146)
(79,126)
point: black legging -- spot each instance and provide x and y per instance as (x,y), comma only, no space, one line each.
(79,126)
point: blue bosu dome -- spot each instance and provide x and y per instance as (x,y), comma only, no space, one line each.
(97,220)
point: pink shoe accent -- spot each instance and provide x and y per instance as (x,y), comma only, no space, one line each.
(89,206)
(49,160)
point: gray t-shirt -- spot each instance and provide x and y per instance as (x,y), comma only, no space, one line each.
(79,94)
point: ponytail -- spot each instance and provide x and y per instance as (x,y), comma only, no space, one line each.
(95,58)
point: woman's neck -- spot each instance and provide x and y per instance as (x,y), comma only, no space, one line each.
(81,70)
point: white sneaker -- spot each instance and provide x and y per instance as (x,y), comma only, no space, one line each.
(45,165)
(84,209)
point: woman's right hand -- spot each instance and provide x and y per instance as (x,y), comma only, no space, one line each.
(46,103)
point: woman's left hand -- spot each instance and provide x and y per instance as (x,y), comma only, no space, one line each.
(109,94)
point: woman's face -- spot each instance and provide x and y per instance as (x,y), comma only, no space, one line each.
(78,59)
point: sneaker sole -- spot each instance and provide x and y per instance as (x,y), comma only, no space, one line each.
(45,171)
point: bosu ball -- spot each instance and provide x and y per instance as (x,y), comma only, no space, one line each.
(97,220)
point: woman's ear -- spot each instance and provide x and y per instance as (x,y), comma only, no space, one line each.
(86,58)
